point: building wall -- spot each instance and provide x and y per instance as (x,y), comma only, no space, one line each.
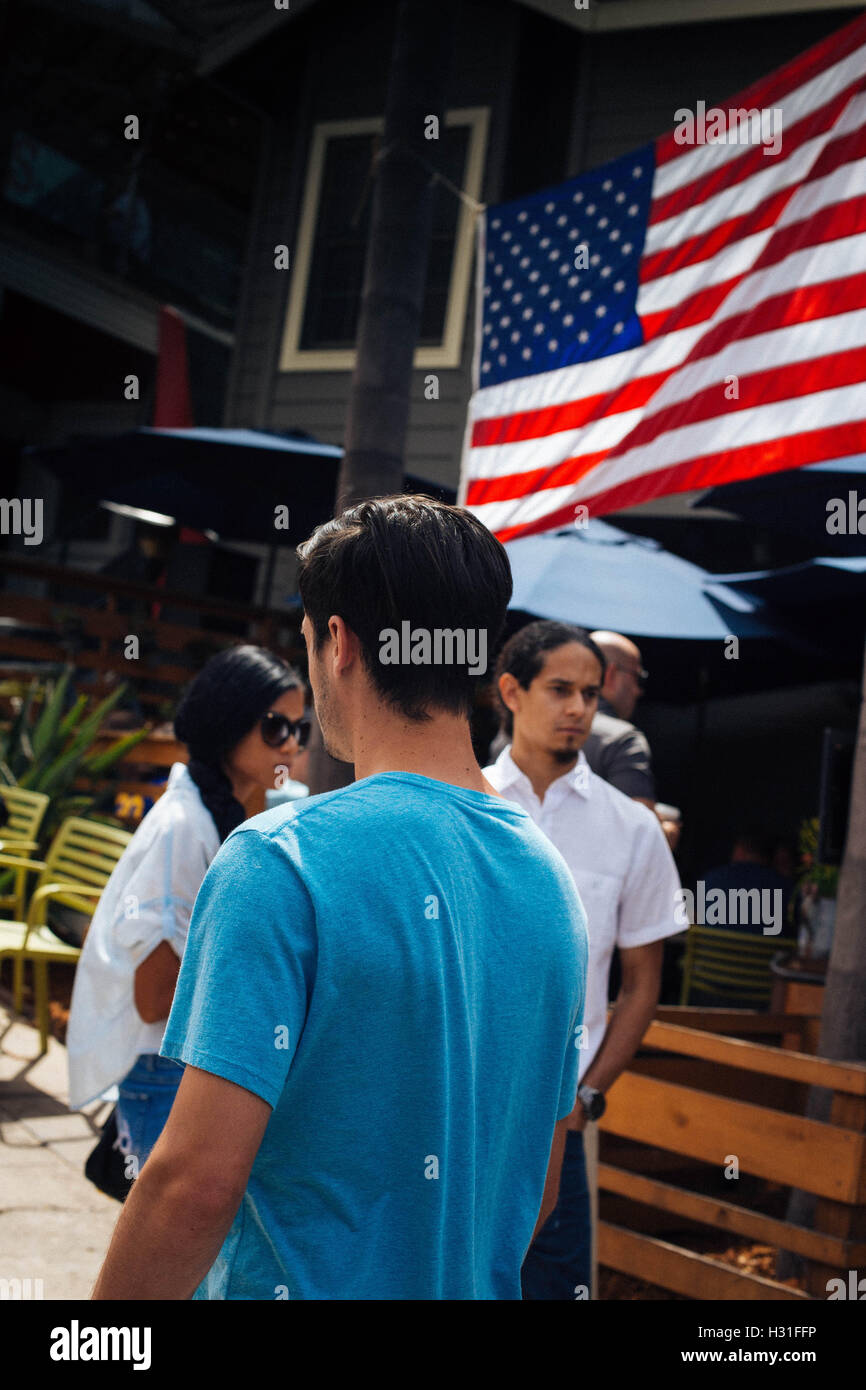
(560,101)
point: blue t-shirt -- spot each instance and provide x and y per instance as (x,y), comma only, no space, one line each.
(397,967)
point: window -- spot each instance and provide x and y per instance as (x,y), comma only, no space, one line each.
(328,262)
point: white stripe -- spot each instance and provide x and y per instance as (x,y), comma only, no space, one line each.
(781,420)
(778,347)
(584,379)
(698,160)
(849,181)
(733,260)
(757,425)
(831,260)
(743,197)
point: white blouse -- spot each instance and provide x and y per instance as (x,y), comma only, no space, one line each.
(148,899)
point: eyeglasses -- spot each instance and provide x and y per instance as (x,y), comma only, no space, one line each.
(277,728)
(640,675)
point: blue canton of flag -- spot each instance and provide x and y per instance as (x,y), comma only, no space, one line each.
(546,304)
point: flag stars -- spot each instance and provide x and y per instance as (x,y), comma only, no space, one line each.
(561,221)
(522,216)
(554,255)
(619,286)
(573,280)
(496,222)
(614,236)
(620,197)
(602,223)
(583,336)
(555,304)
(527,313)
(516,298)
(595,260)
(586,296)
(507,284)
(633,210)
(544,243)
(636,171)
(618,327)
(524,262)
(578,197)
(607,185)
(552,345)
(550,207)
(600,311)
(533,275)
(568,320)
(526,353)
(544,289)
(539,328)
(627,248)
(506,236)
(590,209)
(605,270)
(534,229)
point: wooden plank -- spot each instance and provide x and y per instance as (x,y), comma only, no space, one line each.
(726,1216)
(95,622)
(735,1021)
(127,588)
(682,1271)
(788,1149)
(751,1056)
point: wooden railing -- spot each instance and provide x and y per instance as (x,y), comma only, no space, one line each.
(61,627)
(709,1097)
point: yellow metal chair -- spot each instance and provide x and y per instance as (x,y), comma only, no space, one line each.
(732,966)
(77,867)
(19,836)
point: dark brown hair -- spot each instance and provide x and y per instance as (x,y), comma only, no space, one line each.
(407,558)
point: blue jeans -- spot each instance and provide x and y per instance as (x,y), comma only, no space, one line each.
(145,1097)
(558,1262)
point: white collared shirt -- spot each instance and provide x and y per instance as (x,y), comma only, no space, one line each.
(621,863)
(148,899)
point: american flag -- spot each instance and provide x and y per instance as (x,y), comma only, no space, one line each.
(682,317)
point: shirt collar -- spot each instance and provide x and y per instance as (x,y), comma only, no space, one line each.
(578,779)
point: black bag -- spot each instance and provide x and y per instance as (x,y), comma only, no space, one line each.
(106,1165)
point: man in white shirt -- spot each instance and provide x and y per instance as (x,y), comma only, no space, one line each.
(550,675)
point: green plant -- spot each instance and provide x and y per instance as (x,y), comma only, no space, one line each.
(45,750)
(824,876)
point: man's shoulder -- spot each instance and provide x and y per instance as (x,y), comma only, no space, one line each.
(607,728)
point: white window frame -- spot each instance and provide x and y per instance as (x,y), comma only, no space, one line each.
(293,358)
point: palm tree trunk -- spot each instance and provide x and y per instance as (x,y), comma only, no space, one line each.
(395,274)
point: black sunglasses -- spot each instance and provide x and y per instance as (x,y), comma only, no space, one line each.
(277,728)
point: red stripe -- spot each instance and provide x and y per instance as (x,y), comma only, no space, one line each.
(727,466)
(773,384)
(770,90)
(828,224)
(753,159)
(569,415)
(845,150)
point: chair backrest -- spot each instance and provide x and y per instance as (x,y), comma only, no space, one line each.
(26,813)
(83,851)
(731,965)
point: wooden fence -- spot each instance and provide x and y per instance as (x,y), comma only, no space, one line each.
(66,624)
(694,1094)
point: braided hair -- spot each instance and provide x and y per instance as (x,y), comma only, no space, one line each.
(224,702)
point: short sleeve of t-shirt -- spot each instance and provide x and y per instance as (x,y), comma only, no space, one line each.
(650,894)
(247,972)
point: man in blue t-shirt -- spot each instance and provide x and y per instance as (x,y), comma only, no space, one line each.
(380,1000)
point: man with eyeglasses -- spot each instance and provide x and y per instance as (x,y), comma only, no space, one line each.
(615,749)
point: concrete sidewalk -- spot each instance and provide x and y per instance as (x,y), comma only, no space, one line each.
(54,1225)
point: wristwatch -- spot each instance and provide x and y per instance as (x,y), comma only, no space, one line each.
(593,1102)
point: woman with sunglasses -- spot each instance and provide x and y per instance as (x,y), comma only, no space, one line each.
(242,721)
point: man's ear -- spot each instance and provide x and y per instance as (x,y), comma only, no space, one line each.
(346,646)
(508,687)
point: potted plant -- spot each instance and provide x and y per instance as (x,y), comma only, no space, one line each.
(815,898)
